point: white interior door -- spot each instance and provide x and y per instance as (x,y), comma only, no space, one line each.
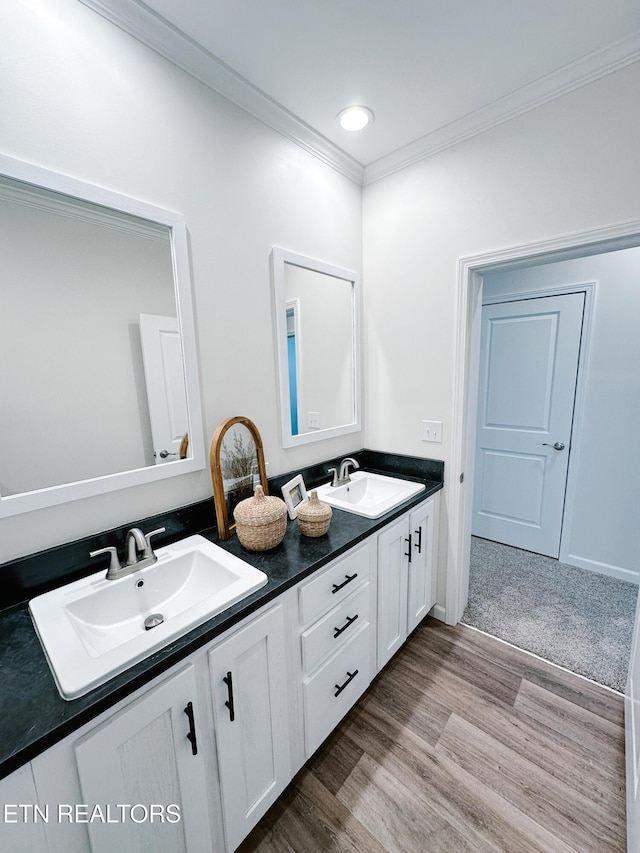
(166,394)
(528,368)
(632,739)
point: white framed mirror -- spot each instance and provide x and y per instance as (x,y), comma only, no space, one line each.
(317,323)
(99,385)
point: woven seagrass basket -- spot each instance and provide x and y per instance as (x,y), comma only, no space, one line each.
(261,521)
(314,516)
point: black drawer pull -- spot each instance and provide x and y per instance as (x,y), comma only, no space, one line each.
(419,544)
(340,687)
(191,736)
(228,680)
(408,553)
(350,621)
(338,586)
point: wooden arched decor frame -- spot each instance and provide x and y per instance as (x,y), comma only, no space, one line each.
(251,471)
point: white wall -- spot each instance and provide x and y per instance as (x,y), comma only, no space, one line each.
(569,166)
(81,97)
(600,530)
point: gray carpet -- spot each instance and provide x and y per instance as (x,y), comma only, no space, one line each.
(578,619)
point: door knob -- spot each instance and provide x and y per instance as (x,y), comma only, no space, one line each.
(559,445)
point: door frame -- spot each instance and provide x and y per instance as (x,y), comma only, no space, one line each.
(467,318)
(589,288)
(294,305)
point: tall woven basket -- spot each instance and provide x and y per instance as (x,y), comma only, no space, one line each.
(261,521)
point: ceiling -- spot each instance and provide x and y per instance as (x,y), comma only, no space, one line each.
(432,71)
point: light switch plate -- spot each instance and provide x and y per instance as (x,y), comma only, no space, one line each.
(431,431)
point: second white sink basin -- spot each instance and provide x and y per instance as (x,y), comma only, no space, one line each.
(370,495)
(94,628)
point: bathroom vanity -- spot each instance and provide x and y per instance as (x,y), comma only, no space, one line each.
(205,734)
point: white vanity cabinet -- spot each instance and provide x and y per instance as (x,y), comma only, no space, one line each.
(406,576)
(147,756)
(251,714)
(175,744)
(160,748)
(216,739)
(336,641)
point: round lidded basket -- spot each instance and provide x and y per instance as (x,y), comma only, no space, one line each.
(261,521)
(314,516)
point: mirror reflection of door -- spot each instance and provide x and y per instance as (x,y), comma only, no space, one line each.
(293,350)
(317,321)
(320,317)
(166,393)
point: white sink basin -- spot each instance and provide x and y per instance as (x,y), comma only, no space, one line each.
(370,495)
(94,628)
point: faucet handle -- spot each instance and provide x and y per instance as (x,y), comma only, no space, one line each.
(149,550)
(333,471)
(114,562)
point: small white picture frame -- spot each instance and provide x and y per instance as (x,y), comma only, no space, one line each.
(294,493)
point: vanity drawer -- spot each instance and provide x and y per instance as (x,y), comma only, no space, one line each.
(334,688)
(335,583)
(337,627)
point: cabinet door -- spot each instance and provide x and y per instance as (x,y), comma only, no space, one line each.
(250,706)
(22,827)
(393,545)
(142,757)
(421,584)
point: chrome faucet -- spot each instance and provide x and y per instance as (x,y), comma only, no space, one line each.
(340,477)
(138,554)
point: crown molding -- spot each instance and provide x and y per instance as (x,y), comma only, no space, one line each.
(14,191)
(145,25)
(555,85)
(138,20)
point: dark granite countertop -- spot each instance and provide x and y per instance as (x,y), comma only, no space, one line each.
(33,715)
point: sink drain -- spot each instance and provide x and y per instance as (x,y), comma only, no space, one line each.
(153,621)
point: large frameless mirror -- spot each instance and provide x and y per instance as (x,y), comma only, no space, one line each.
(99,385)
(317,315)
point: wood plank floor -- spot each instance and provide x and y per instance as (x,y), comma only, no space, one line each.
(461,744)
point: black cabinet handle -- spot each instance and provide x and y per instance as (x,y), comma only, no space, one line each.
(350,621)
(340,687)
(419,543)
(408,553)
(338,586)
(228,680)
(191,736)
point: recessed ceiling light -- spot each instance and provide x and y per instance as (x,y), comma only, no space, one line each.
(355,118)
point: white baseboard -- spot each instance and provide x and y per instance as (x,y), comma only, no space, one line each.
(603,568)
(438,612)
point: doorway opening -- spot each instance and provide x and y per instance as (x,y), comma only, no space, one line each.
(611,504)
